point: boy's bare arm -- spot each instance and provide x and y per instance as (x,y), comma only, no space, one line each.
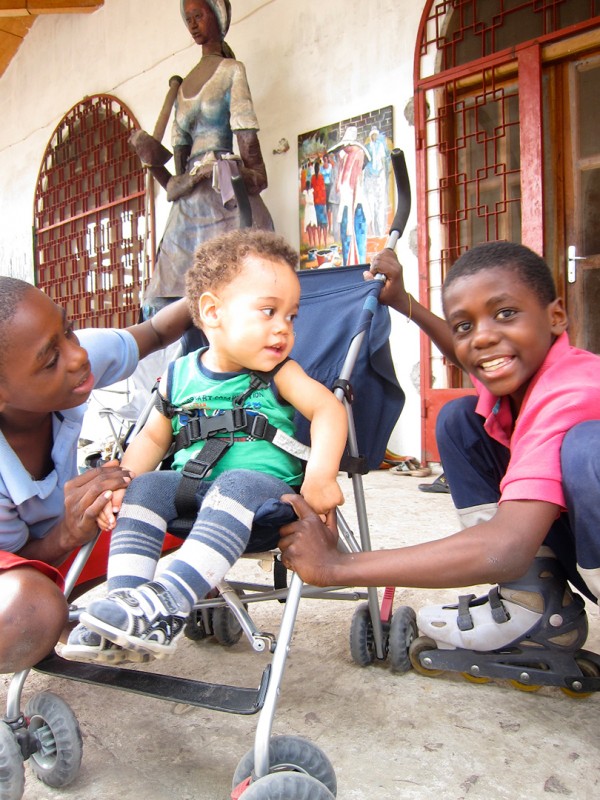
(165,327)
(150,446)
(328,434)
(492,552)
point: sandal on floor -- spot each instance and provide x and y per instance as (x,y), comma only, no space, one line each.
(410,466)
(390,459)
(439,486)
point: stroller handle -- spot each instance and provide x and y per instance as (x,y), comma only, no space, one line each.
(404,198)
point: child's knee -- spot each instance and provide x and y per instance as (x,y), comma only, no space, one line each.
(452,414)
(580,453)
(33,614)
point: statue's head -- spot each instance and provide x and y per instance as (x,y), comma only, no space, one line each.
(221,10)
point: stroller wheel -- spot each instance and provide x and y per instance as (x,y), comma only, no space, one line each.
(287,786)
(53,724)
(403,631)
(12,774)
(199,625)
(362,646)
(226,629)
(289,755)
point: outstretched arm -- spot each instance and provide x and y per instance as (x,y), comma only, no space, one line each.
(492,552)
(328,433)
(165,327)
(394,294)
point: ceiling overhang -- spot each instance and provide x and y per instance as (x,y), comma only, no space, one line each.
(17,17)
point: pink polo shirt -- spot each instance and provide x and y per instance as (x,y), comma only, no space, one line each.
(564,392)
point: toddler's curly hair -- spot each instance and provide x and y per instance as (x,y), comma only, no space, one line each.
(218,261)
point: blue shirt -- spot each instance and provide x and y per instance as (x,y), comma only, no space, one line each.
(29,508)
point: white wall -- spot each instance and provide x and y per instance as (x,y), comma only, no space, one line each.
(309,63)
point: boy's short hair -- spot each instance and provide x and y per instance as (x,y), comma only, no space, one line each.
(530,268)
(218,261)
(12,291)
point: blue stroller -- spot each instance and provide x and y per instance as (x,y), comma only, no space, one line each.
(342,340)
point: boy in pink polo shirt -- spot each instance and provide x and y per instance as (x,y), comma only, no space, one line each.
(522,462)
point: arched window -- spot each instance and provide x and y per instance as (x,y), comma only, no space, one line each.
(89,216)
(495,83)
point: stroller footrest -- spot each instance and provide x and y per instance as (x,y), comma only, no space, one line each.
(215,696)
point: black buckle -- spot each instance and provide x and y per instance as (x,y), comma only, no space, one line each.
(232,420)
(199,471)
(257,428)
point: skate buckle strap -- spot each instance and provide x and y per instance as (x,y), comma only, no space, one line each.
(499,612)
(464,620)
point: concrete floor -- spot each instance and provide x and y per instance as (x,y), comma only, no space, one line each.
(388,736)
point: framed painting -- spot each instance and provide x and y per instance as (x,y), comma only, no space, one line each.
(346,190)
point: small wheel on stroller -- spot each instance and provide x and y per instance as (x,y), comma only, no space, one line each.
(287,786)
(226,629)
(56,729)
(362,643)
(420,645)
(403,631)
(12,774)
(199,624)
(289,755)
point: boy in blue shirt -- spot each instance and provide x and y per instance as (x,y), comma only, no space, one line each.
(47,373)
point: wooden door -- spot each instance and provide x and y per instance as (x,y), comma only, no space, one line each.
(581,279)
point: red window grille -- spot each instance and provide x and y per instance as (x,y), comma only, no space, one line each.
(90,216)
(478,120)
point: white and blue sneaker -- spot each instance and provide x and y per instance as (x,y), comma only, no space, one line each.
(145,620)
(89,646)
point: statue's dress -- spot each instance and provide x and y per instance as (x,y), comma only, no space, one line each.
(205,122)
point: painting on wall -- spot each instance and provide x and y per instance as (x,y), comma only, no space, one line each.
(346,190)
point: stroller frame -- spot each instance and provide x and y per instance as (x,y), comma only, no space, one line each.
(218,697)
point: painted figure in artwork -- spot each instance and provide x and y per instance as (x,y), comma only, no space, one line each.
(352,218)
(213,103)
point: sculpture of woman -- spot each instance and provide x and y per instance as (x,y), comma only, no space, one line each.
(212,103)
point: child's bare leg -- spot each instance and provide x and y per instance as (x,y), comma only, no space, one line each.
(33,613)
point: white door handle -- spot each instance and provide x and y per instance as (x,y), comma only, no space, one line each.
(572,260)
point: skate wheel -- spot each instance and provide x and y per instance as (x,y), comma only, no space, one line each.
(474,678)
(590,670)
(418,646)
(524,687)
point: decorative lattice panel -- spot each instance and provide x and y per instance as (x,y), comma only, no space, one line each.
(89,216)
(457,32)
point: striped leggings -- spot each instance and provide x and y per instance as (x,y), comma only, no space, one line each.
(220,534)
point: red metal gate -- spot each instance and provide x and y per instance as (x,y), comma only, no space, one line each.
(90,216)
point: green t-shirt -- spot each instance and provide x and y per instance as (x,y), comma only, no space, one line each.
(192,386)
